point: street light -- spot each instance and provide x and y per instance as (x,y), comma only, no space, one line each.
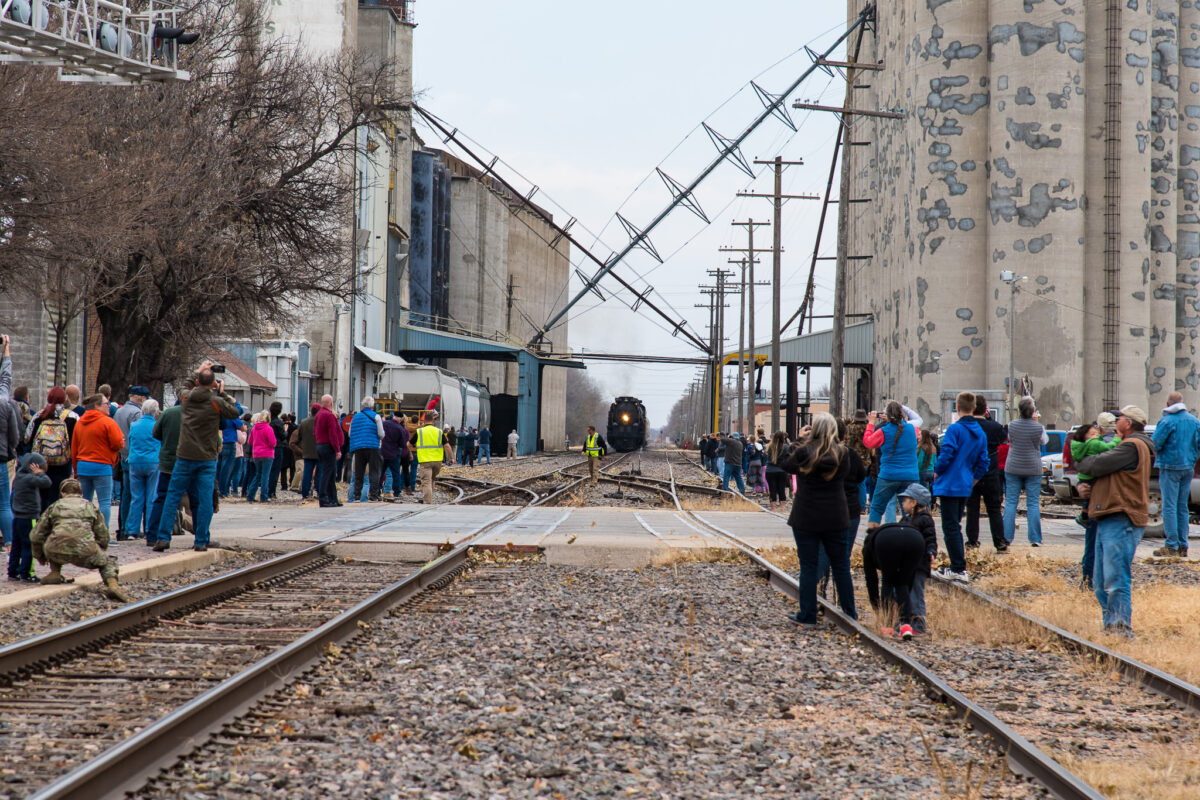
(1012,279)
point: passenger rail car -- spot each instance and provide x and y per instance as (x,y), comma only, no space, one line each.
(626,425)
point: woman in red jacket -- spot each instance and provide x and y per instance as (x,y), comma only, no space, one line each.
(96,445)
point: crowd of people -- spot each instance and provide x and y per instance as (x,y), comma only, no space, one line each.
(883,464)
(88,451)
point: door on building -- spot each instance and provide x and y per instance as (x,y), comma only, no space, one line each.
(504,420)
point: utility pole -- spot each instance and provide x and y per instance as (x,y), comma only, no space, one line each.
(747,263)
(777,199)
(718,338)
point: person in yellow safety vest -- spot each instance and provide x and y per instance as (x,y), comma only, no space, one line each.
(595,448)
(430,454)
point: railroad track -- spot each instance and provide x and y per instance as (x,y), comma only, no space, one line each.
(994,712)
(156,678)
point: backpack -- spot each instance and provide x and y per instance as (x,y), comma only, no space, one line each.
(52,443)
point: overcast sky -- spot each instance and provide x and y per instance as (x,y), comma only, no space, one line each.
(585,100)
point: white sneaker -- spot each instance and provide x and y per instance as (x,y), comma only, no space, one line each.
(948,574)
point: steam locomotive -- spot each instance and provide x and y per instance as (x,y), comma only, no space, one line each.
(626,425)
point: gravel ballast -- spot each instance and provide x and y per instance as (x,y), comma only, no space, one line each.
(537,681)
(56,612)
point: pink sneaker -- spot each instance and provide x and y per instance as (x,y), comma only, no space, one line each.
(906,632)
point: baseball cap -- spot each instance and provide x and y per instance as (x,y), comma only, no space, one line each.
(1134,413)
(1106,419)
(918,493)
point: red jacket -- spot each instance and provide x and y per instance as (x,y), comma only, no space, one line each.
(327,431)
(96,438)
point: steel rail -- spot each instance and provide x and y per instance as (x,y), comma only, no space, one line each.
(1024,757)
(38,652)
(127,766)
(1184,693)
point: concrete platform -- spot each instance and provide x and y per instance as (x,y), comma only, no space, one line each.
(598,536)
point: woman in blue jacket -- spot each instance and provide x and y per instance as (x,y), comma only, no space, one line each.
(895,433)
(143,470)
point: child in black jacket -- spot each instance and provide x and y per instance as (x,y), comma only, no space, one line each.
(26,498)
(900,554)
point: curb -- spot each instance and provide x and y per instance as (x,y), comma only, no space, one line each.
(146,569)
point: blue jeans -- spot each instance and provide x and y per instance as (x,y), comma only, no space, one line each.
(143,482)
(392,475)
(485,451)
(1116,540)
(1089,551)
(101,487)
(1032,486)
(808,545)
(916,601)
(188,476)
(306,477)
(1176,487)
(247,472)
(884,495)
(952,514)
(824,565)
(225,467)
(258,480)
(733,471)
(6,515)
(20,557)
(236,474)
(864,489)
(412,468)
(276,466)
(160,497)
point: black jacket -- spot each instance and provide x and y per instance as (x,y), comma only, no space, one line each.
(820,501)
(922,520)
(895,550)
(996,435)
(26,499)
(856,475)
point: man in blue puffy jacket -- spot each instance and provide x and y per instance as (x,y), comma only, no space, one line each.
(366,435)
(961,463)
(1177,441)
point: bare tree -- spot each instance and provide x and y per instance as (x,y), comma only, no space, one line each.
(586,404)
(227,198)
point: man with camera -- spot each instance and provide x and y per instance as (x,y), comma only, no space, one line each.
(204,409)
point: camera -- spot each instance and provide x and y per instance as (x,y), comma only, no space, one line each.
(218,369)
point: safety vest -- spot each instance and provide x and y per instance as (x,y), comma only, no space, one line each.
(429,445)
(592,446)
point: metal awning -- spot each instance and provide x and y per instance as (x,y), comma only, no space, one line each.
(815,349)
(418,342)
(380,356)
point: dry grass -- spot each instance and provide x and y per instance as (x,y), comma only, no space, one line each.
(1159,772)
(956,615)
(782,556)
(699,555)
(716,503)
(1164,614)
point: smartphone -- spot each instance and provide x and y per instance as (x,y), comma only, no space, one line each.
(218,368)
